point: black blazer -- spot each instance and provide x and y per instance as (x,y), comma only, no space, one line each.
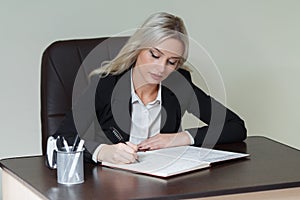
(112,102)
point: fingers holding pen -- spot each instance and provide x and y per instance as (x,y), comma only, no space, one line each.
(125,149)
(132,150)
(126,153)
(118,153)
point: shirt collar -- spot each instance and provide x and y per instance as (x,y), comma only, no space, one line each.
(134,96)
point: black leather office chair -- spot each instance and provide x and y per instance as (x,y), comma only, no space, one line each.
(60,63)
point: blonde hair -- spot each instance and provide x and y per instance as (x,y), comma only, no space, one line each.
(157,28)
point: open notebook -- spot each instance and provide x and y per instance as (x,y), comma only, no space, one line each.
(176,160)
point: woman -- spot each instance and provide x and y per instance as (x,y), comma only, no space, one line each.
(144,92)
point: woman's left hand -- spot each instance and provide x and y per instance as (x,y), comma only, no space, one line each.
(165,140)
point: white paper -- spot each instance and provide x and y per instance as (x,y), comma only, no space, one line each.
(176,160)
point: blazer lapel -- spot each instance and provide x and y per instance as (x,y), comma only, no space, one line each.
(170,112)
(121,104)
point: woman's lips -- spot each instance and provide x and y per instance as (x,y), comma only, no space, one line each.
(156,76)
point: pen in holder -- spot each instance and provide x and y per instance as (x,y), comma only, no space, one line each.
(70,164)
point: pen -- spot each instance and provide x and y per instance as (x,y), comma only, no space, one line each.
(66,144)
(119,137)
(75,161)
(74,144)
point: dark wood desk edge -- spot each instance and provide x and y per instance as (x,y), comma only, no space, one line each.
(16,157)
(270,139)
(253,189)
(3,166)
(273,140)
(227,192)
(239,190)
(181,196)
(224,192)
(13,174)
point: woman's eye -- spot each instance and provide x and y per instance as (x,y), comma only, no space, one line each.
(172,62)
(153,54)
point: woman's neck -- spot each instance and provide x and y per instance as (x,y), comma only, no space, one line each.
(145,91)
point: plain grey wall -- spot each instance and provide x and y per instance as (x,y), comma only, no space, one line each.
(255,44)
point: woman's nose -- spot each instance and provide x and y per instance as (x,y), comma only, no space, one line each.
(161,66)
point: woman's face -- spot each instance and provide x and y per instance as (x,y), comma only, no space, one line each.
(154,64)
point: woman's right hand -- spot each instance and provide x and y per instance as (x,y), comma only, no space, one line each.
(118,153)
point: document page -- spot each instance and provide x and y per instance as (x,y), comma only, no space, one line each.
(213,156)
(200,154)
(175,160)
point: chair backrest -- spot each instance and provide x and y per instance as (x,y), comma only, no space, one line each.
(60,64)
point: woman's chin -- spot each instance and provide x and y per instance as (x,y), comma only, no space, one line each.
(154,82)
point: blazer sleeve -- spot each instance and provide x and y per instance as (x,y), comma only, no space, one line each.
(84,116)
(223,125)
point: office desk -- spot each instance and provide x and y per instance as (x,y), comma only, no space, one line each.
(271,166)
